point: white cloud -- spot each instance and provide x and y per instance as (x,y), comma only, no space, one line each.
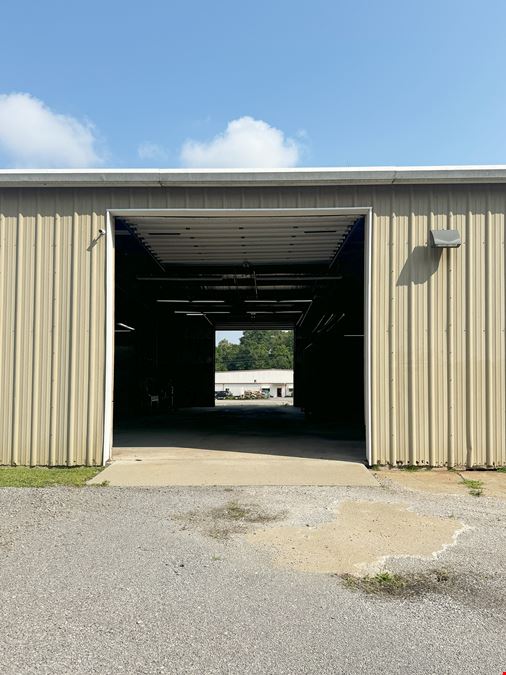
(152,151)
(32,135)
(245,143)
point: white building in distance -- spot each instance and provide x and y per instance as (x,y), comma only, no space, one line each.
(271,382)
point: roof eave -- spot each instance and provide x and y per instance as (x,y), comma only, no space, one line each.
(253,177)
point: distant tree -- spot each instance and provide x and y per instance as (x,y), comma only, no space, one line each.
(225,353)
(256,349)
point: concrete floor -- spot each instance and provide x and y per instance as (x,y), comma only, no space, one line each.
(236,443)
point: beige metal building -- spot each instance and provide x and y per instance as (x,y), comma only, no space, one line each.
(270,382)
(101,270)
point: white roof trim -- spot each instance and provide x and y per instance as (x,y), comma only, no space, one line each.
(241,177)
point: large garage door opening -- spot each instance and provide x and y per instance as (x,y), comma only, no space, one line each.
(181,276)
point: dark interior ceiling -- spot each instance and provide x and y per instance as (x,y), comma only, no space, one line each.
(239,272)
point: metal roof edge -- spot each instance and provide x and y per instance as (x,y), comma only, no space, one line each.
(252,177)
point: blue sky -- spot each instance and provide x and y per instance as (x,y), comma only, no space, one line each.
(315,83)
(250,84)
(230,335)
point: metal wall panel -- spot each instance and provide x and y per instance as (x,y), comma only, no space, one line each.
(438,333)
(52,328)
(438,319)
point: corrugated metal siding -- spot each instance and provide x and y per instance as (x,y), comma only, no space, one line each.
(439,328)
(438,323)
(52,328)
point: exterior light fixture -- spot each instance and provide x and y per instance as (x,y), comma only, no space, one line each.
(445,239)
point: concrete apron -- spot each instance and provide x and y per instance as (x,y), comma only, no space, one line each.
(194,467)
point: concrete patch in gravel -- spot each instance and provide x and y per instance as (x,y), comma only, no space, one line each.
(359,540)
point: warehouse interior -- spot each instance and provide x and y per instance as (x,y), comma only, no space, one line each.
(179,278)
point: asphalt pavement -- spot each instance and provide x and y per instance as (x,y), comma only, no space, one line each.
(167,580)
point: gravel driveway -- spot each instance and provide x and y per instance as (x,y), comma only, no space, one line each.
(139,580)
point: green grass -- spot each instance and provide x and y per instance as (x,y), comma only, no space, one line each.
(414,467)
(233,511)
(475,487)
(397,585)
(230,518)
(383,583)
(24,476)
(501,469)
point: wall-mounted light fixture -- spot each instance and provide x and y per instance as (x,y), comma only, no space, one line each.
(445,239)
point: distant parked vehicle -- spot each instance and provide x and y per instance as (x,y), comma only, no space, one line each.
(221,395)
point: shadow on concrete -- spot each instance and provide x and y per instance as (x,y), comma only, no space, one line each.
(270,430)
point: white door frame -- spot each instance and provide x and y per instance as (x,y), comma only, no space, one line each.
(367,333)
(109,337)
(111,214)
